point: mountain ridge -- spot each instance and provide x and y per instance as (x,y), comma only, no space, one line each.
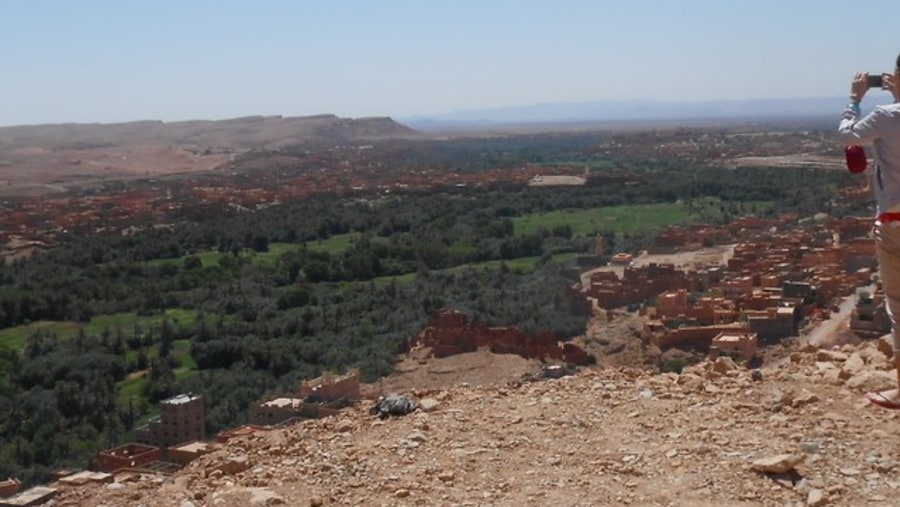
(241,132)
(639,110)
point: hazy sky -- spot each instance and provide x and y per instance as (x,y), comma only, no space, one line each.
(122,60)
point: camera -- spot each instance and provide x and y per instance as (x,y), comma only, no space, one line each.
(875,80)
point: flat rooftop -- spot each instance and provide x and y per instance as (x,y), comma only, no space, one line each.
(181,399)
(283,402)
(33,496)
(193,447)
(86,476)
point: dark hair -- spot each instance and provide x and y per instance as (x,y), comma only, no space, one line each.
(898,62)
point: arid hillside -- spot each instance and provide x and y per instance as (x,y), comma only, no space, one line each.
(797,433)
(43,156)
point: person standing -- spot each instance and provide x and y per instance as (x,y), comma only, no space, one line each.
(880,129)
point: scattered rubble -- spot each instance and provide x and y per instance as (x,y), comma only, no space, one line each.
(603,436)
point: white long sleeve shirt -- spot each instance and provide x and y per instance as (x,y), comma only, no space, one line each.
(881,129)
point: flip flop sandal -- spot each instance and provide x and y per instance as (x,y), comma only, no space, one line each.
(881,400)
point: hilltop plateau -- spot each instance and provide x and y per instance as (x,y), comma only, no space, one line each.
(35,157)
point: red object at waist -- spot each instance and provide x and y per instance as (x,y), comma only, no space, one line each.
(889,217)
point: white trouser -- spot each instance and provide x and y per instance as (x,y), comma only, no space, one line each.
(887,248)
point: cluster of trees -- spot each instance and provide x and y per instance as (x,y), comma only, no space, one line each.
(263,326)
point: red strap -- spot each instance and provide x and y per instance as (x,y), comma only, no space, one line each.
(891,216)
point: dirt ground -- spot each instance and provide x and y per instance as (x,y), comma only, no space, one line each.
(798,435)
(48,171)
(419,371)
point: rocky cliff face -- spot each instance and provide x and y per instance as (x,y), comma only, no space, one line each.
(794,434)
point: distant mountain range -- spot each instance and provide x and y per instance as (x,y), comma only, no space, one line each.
(636,111)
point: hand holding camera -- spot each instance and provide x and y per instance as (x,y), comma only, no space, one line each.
(875,80)
(863,82)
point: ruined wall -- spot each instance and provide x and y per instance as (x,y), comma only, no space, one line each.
(127,456)
(743,344)
(185,454)
(698,337)
(329,388)
(9,487)
(449,332)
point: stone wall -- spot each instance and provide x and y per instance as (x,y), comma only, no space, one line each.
(127,456)
(9,487)
(328,388)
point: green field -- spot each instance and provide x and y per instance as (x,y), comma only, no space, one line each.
(334,245)
(628,219)
(524,264)
(17,337)
(621,219)
(136,383)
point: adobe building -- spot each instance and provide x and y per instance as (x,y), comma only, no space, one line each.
(672,304)
(669,239)
(713,311)
(621,259)
(32,496)
(127,456)
(328,388)
(180,420)
(737,288)
(282,409)
(276,411)
(637,284)
(796,289)
(774,323)
(737,343)
(710,276)
(10,487)
(699,338)
(850,228)
(320,397)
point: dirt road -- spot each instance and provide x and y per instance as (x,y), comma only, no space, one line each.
(827,331)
